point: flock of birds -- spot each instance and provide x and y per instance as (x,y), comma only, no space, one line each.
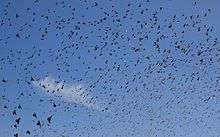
(107,68)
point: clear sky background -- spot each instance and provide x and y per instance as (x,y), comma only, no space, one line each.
(109,68)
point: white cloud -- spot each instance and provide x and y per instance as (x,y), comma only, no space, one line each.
(69,92)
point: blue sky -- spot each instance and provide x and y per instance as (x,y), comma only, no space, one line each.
(109,68)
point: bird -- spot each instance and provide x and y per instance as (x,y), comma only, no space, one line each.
(49,119)
(89,67)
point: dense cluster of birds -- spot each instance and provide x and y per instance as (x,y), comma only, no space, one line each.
(108,68)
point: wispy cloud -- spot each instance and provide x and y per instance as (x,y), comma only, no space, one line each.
(69,92)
